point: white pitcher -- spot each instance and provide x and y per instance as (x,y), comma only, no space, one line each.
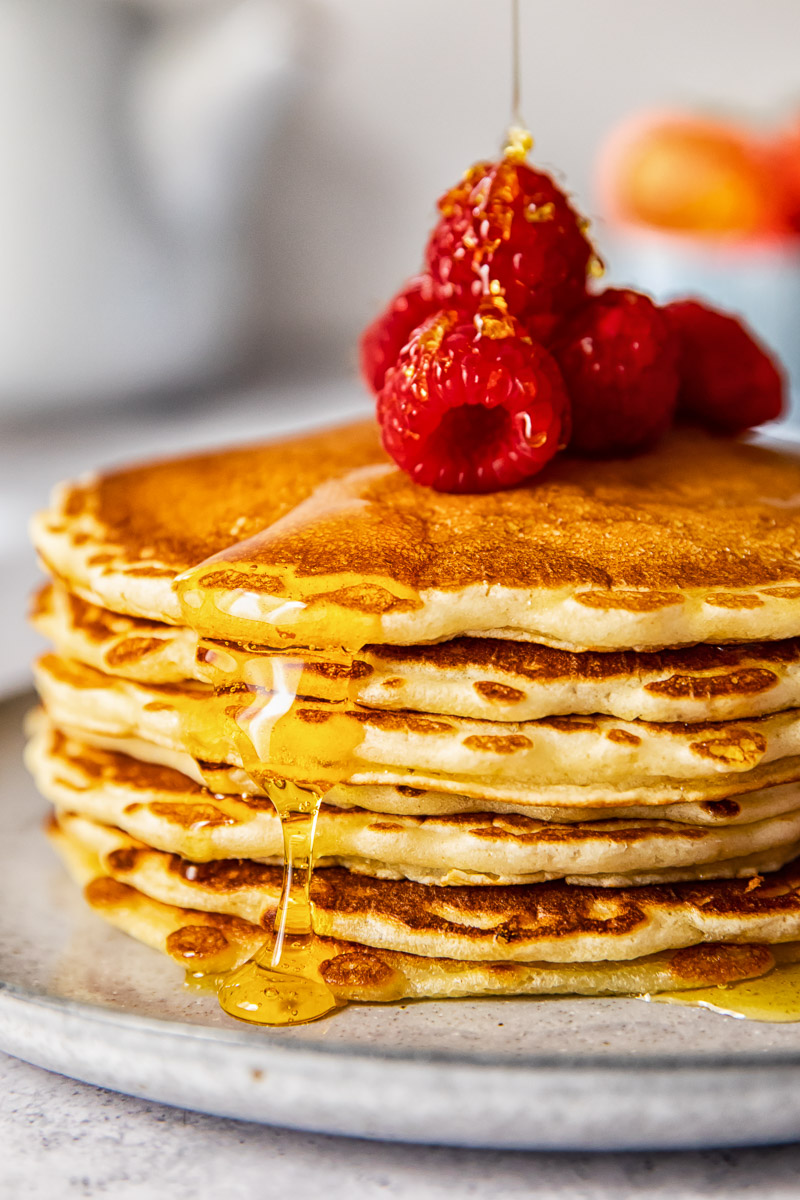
(131,138)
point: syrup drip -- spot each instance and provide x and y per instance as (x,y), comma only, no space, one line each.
(282,985)
(519,141)
(516,69)
(258,700)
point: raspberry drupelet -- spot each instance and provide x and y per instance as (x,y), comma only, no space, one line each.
(618,357)
(473,405)
(382,341)
(507,230)
(728,382)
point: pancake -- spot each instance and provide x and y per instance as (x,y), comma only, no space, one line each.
(572,760)
(206,943)
(557,729)
(319,540)
(549,922)
(166,810)
(738,808)
(482,678)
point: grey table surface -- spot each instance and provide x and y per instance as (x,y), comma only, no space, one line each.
(61,1139)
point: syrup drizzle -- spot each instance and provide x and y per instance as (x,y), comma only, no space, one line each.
(519,140)
(282,985)
(258,700)
(516,69)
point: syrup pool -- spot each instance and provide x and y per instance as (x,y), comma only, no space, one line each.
(774,997)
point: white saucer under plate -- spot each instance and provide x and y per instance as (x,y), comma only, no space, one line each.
(80,998)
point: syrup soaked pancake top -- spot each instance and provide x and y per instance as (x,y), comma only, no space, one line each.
(127,533)
(320,541)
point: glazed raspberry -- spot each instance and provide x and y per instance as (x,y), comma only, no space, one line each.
(728,381)
(472,404)
(617,355)
(382,341)
(507,230)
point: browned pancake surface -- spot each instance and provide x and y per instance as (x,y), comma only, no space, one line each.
(696,511)
(182,510)
(741,670)
(545,663)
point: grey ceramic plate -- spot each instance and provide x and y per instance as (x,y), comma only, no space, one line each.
(81,999)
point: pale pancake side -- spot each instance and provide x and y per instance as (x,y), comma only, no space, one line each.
(169,812)
(210,943)
(482,678)
(739,801)
(600,758)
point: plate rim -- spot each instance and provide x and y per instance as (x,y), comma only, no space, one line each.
(269,1040)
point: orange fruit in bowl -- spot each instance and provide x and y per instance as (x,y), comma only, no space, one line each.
(690,174)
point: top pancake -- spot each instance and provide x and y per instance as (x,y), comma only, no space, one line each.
(319,540)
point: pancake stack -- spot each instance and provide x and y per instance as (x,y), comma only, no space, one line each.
(557,729)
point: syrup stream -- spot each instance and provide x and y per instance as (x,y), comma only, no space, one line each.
(258,701)
(516,69)
(282,984)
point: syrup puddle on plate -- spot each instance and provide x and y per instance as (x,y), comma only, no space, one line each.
(774,997)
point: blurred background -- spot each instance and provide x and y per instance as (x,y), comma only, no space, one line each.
(204,201)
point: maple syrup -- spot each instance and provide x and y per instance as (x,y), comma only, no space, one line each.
(293,756)
(282,985)
(517,122)
(774,997)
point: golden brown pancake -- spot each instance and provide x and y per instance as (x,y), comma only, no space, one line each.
(530,650)
(166,810)
(550,922)
(131,531)
(571,760)
(207,943)
(318,540)
(484,678)
(229,783)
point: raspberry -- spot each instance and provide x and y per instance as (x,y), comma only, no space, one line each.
(382,341)
(507,230)
(618,355)
(472,404)
(728,381)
